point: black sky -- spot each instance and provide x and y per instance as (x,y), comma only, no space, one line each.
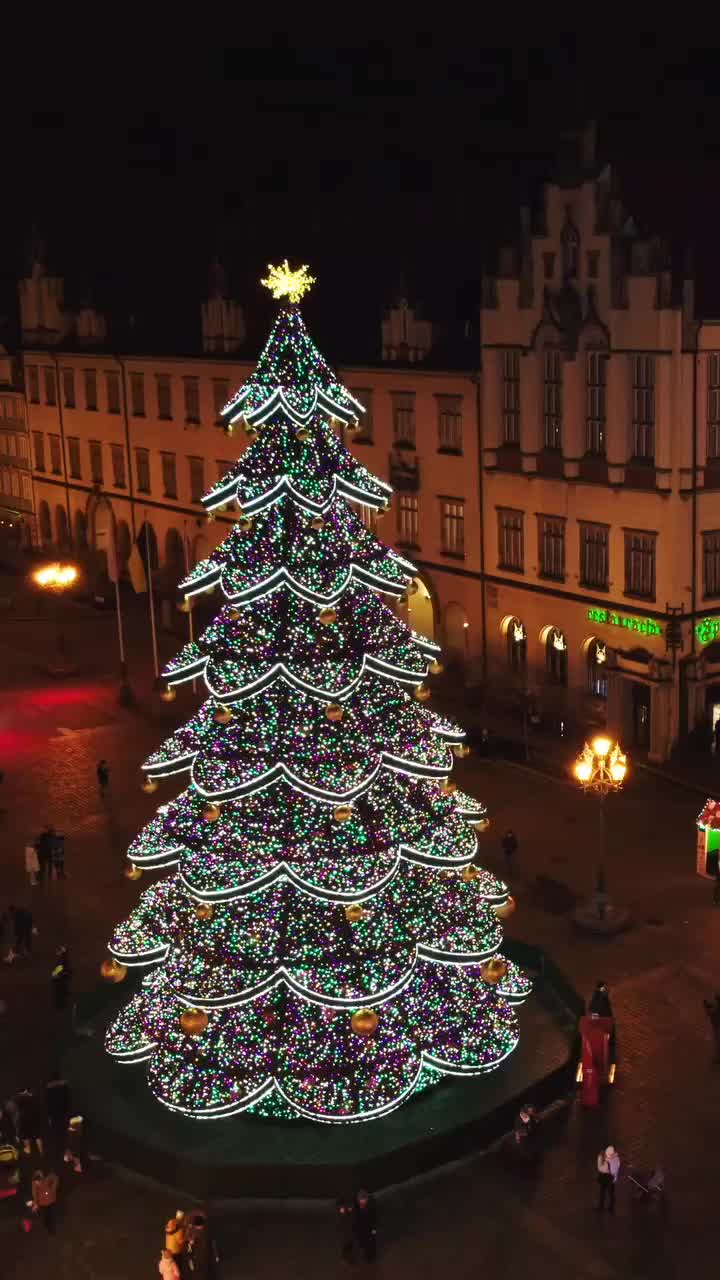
(381,160)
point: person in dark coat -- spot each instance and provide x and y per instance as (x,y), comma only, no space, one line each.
(8,1126)
(201,1252)
(509,847)
(44,852)
(344,1215)
(60,979)
(29,1121)
(103,776)
(22,927)
(365,1224)
(57,856)
(600,1001)
(57,1106)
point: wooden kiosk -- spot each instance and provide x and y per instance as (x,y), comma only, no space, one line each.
(708,839)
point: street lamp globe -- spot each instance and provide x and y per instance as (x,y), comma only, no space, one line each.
(583,770)
(601,746)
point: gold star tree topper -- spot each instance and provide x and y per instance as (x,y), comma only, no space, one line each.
(284,283)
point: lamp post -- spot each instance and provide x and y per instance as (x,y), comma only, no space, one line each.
(57,579)
(601,768)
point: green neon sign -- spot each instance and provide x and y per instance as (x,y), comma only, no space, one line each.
(644,626)
(707,629)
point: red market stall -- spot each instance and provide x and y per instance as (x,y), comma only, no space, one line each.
(597,1058)
(708,839)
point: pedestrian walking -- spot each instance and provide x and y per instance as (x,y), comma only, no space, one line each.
(44,1198)
(716,736)
(365,1224)
(76,1150)
(32,864)
(175,1235)
(608,1169)
(57,1107)
(8,1126)
(22,930)
(30,1122)
(525,1125)
(344,1215)
(60,979)
(600,1001)
(57,856)
(712,1009)
(509,848)
(201,1253)
(44,852)
(103,776)
(167,1266)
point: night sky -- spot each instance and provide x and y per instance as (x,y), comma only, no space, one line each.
(395,162)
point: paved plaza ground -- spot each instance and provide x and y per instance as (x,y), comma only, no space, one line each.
(485,1216)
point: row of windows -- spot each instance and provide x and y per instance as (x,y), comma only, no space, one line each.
(449,407)
(16,484)
(95,472)
(452,523)
(91,384)
(642,443)
(556,656)
(15,446)
(594,552)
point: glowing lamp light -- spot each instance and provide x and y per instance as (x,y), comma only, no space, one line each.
(583,770)
(601,747)
(618,771)
(56,575)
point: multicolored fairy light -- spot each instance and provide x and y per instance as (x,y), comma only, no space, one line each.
(296,964)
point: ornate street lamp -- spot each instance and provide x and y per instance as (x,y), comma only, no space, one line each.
(601,768)
(56,579)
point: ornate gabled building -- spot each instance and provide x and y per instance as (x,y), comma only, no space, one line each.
(601,543)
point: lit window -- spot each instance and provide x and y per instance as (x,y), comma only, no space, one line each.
(452,520)
(511,553)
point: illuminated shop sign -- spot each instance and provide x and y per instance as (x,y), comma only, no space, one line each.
(645,626)
(707,629)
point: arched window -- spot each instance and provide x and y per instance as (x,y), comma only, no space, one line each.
(570,244)
(596,653)
(124,542)
(174,554)
(80,531)
(556,656)
(516,640)
(61,528)
(147,543)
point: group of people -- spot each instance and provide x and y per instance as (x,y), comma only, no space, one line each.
(358,1226)
(190,1248)
(45,857)
(38,1134)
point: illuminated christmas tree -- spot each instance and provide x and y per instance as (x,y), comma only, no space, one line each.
(323,945)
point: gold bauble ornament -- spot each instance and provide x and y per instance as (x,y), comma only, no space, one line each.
(211,811)
(334,711)
(211,515)
(149,785)
(228,428)
(233,614)
(435,668)
(302,434)
(364,1022)
(480,824)
(461,751)
(504,910)
(250,430)
(448,787)
(246,523)
(194,1022)
(222,715)
(317,523)
(411,588)
(343,813)
(169,694)
(493,971)
(470,873)
(209,590)
(112,971)
(185,605)
(354,912)
(132,872)
(421,693)
(204,911)
(327,616)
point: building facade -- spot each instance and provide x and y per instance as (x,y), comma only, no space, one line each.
(124,447)
(599,463)
(16,494)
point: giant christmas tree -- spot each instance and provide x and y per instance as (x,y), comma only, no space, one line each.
(323,945)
